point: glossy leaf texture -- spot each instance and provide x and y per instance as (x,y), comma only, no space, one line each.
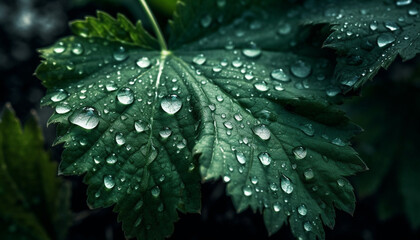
(34,202)
(245,94)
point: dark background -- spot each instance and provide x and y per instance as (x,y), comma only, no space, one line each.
(26,25)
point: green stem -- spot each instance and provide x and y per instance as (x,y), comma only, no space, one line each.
(155,25)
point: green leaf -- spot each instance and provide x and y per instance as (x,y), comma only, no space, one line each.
(245,94)
(394,162)
(35,203)
(369,35)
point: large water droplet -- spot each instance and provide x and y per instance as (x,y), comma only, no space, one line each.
(171,104)
(247,190)
(86,118)
(165,133)
(385,39)
(299,152)
(280,75)
(59,95)
(261,86)
(140,126)
(302,210)
(301,69)
(110,87)
(240,157)
(265,158)
(109,181)
(199,59)
(125,96)
(286,185)
(62,108)
(143,62)
(252,52)
(262,131)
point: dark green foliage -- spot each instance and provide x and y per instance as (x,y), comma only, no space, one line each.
(34,202)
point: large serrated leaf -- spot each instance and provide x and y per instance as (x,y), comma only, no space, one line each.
(251,98)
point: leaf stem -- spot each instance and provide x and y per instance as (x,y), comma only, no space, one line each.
(155,25)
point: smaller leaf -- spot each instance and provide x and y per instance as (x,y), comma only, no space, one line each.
(34,202)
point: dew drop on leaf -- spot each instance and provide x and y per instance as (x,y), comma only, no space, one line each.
(171,104)
(299,152)
(110,87)
(307,129)
(280,75)
(284,29)
(302,210)
(340,182)
(385,39)
(247,190)
(262,131)
(155,191)
(307,226)
(62,108)
(59,48)
(119,139)
(59,95)
(276,207)
(109,181)
(309,174)
(125,96)
(274,187)
(392,26)
(120,54)
(403,2)
(301,69)
(261,86)
(165,133)
(200,59)
(111,159)
(140,126)
(252,52)
(77,49)
(265,158)
(286,185)
(206,21)
(143,62)
(338,142)
(240,157)
(86,118)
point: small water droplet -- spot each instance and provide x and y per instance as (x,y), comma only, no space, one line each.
(299,152)
(247,190)
(171,104)
(274,187)
(119,139)
(165,133)
(143,62)
(262,131)
(392,26)
(206,21)
(240,157)
(338,142)
(252,52)
(125,96)
(111,159)
(62,108)
(110,87)
(280,75)
(59,95)
(199,59)
(307,129)
(226,179)
(302,210)
(373,25)
(276,207)
(309,174)
(261,86)
(77,49)
(385,39)
(254,180)
(265,158)
(307,226)
(301,69)
(286,185)
(109,181)
(120,54)
(341,182)
(403,2)
(140,126)
(155,191)
(237,63)
(284,29)
(59,48)
(86,118)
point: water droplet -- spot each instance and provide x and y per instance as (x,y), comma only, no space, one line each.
(413,11)
(247,190)
(299,152)
(59,95)
(238,117)
(206,21)
(252,52)
(276,207)
(307,129)
(140,126)
(301,69)
(286,185)
(111,159)
(228,125)
(120,54)
(119,139)
(385,39)
(165,133)
(373,26)
(274,187)
(302,210)
(309,174)
(86,118)
(338,142)
(110,87)
(341,182)
(392,26)
(403,2)
(77,49)
(143,62)
(284,29)
(280,75)
(125,96)
(240,157)
(265,158)
(171,104)
(62,108)
(254,180)
(262,131)
(155,191)
(60,48)
(199,59)
(219,98)
(332,91)
(226,179)
(307,226)
(237,63)
(109,181)
(217,69)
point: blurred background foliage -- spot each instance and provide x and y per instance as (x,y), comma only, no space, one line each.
(388,195)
